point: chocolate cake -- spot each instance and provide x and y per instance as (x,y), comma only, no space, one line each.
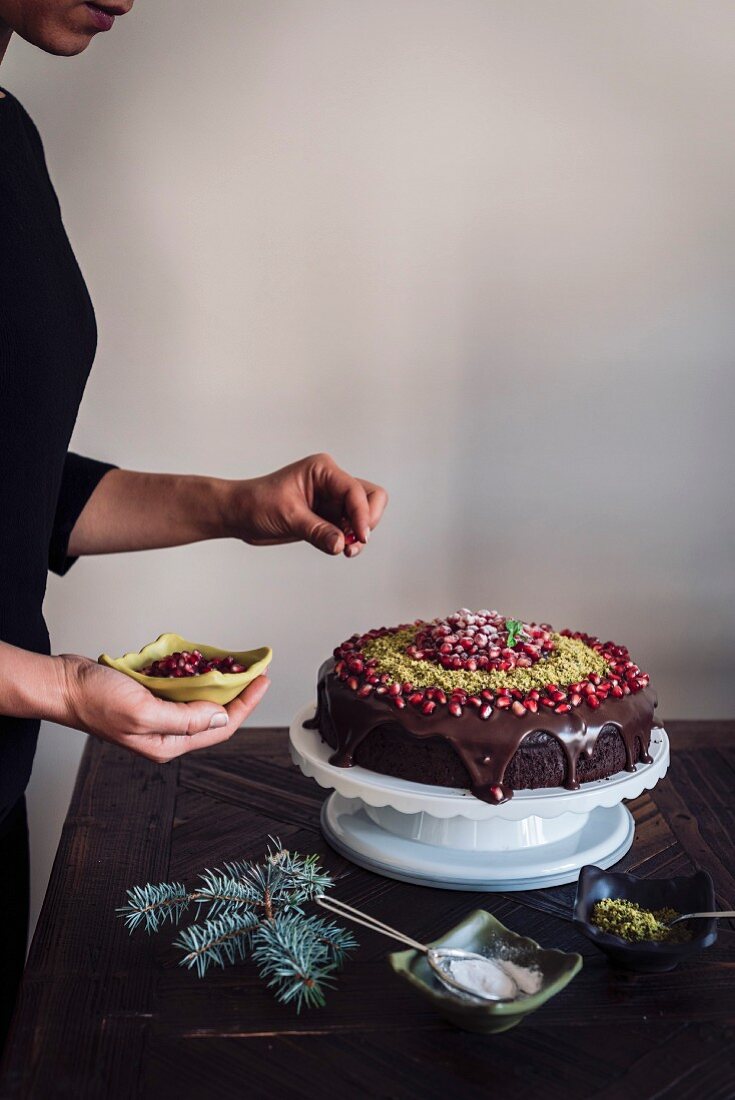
(485,703)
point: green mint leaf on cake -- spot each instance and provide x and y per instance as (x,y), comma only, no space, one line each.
(515,630)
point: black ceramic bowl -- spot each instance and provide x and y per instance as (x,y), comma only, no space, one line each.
(687,894)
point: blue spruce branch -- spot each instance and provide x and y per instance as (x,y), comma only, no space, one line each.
(298,956)
(216,942)
(224,894)
(256,906)
(153,905)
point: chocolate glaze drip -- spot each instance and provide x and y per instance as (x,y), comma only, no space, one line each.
(484,747)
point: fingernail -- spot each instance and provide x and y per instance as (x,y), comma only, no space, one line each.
(333,542)
(367,534)
(218,721)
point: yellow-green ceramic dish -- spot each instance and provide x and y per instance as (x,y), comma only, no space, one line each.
(212,687)
(481,932)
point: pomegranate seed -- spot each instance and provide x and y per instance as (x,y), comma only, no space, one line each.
(474,701)
(353,683)
(394,689)
(518,709)
(486,711)
(575,699)
(503,701)
(399,702)
(429,706)
(416,699)
(478,640)
(547,703)
(496,793)
(617,691)
(192,663)
(350,536)
(364,691)
(593,701)
(562,708)
(531,705)
(455,709)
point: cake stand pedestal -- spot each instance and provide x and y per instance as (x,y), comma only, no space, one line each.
(445,837)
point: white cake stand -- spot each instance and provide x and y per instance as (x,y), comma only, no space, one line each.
(445,837)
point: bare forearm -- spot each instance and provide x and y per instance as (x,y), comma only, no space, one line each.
(313,500)
(31,685)
(141,511)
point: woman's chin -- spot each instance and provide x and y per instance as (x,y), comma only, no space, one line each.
(67,46)
(58,37)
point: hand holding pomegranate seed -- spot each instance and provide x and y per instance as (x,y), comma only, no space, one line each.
(311,500)
(104,702)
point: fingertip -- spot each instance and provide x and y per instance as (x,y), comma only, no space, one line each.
(218,720)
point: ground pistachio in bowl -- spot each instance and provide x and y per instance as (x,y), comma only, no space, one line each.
(631,922)
(184,672)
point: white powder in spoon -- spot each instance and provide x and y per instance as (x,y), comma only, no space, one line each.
(483,976)
(496,977)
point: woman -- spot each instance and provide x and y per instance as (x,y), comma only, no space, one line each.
(56,506)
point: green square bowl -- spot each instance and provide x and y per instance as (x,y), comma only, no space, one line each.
(481,932)
(212,687)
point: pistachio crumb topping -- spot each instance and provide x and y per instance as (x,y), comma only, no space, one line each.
(571,661)
(629,921)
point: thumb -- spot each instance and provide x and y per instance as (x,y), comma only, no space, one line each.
(319,532)
(185,718)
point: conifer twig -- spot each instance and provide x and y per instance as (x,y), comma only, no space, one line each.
(256,907)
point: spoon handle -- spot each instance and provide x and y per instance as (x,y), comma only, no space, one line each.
(719,914)
(342,909)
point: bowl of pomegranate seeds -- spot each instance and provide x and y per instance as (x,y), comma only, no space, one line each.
(183,672)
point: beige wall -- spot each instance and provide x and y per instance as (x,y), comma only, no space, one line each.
(482,252)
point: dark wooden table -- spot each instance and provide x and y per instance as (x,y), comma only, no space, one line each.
(103,1014)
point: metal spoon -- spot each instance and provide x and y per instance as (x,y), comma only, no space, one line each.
(438,958)
(690,916)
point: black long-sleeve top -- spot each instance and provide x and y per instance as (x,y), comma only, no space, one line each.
(47,343)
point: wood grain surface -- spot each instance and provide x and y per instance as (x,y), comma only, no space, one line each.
(105,1014)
